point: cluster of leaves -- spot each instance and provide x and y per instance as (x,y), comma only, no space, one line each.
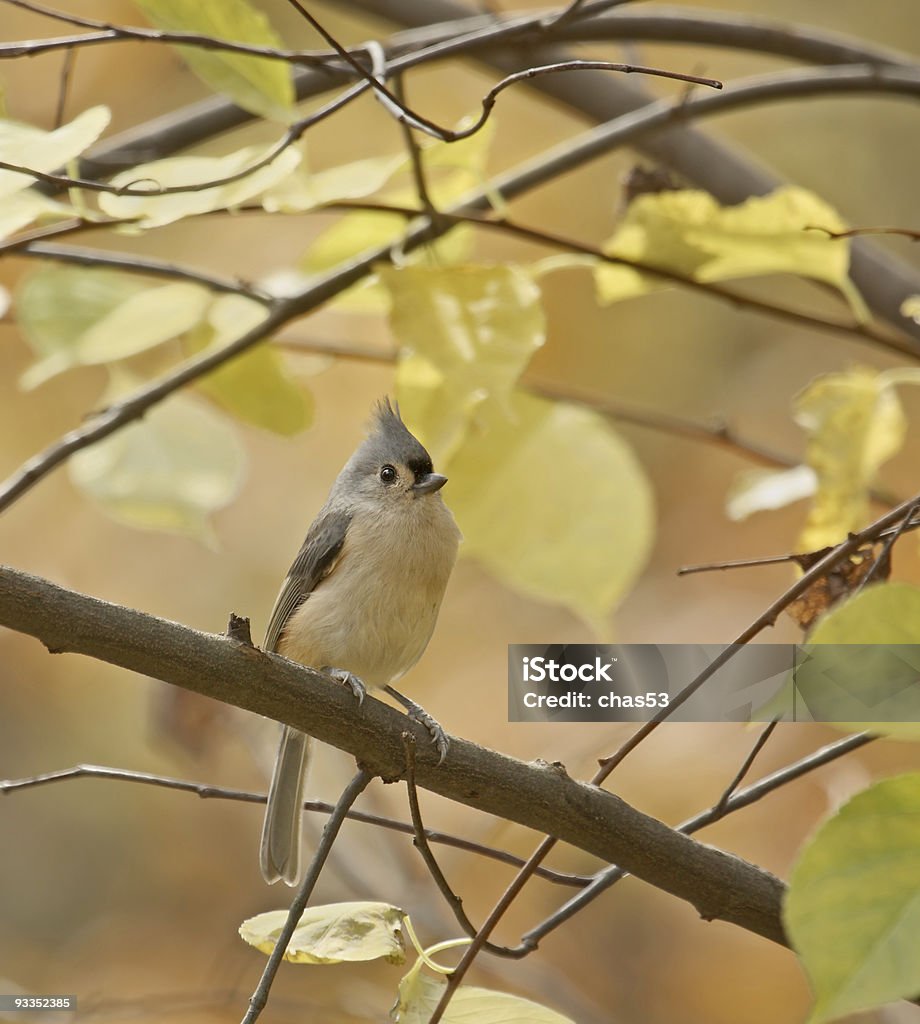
(464,336)
(361,931)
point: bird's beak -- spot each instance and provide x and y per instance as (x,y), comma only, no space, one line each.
(429,483)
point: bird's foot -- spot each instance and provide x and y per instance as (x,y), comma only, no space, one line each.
(418,714)
(350,680)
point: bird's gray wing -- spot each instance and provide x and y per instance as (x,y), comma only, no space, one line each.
(315,560)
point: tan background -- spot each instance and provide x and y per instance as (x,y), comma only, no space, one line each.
(122,893)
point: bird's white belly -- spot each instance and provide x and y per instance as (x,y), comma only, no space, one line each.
(373,619)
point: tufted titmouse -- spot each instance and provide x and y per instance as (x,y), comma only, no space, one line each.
(360,601)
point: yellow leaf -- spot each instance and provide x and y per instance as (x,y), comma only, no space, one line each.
(452,169)
(154,210)
(303,190)
(253,386)
(333,934)
(689,233)
(862,663)
(854,423)
(258,84)
(554,503)
(465,336)
(755,490)
(419,994)
(57,305)
(168,472)
(910,308)
(46,151)
(20,209)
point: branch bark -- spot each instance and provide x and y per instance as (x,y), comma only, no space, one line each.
(537,795)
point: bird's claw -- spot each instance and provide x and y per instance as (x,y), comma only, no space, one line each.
(438,735)
(350,680)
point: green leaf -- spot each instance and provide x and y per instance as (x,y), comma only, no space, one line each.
(855,424)
(465,336)
(689,233)
(850,685)
(852,910)
(168,472)
(156,210)
(554,503)
(46,151)
(254,386)
(73,316)
(420,993)
(333,934)
(260,85)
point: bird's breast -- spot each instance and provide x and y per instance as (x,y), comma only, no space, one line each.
(375,613)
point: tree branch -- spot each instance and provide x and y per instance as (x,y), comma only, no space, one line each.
(537,795)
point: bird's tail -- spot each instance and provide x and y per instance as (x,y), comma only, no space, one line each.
(280,852)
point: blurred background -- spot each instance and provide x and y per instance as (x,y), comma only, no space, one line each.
(131,896)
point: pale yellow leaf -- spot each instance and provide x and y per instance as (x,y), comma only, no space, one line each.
(910,308)
(56,305)
(419,995)
(153,210)
(20,209)
(465,335)
(854,424)
(333,934)
(688,233)
(146,319)
(756,490)
(254,386)
(258,84)
(26,146)
(303,190)
(554,503)
(863,662)
(169,471)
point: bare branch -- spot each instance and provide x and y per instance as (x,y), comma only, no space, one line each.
(820,568)
(744,798)
(421,844)
(539,796)
(206,791)
(134,264)
(351,793)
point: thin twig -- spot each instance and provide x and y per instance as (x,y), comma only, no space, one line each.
(882,558)
(804,559)
(401,112)
(416,159)
(421,844)
(106,32)
(721,809)
(205,791)
(351,793)
(466,215)
(759,744)
(134,264)
(914,236)
(510,185)
(834,557)
(64,87)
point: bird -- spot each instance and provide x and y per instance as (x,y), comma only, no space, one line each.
(360,601)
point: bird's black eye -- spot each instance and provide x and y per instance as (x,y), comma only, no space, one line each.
(388,473)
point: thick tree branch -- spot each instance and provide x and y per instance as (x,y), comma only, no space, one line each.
(537,795)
